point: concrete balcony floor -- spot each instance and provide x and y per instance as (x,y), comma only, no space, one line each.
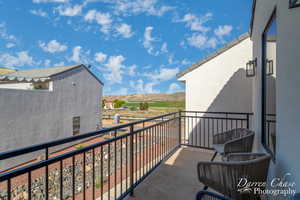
(175,179)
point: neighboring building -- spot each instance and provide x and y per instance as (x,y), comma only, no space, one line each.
(218,82)
(275,32)
(109,105)
(6,70)
(44,104)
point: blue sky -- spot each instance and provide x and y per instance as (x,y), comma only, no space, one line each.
(133,46)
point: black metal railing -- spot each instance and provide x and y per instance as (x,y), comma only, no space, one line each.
(111,168)
(199,127)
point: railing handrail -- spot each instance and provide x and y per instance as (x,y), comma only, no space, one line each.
(211,112)
(33,148)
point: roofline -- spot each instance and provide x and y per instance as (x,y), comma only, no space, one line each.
(252,17)
(81,65)
(92,74)
(75,66)
(215,54)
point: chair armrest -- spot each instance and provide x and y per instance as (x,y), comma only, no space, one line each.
(243,144)
(243,156)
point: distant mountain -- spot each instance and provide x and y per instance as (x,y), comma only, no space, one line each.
(180,96)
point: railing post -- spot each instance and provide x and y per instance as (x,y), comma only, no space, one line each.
(131,160)
(247,120)
(179,126)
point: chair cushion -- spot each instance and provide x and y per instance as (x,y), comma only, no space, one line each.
(219,148)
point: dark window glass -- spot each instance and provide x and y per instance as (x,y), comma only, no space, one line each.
(76,125)
(269,86)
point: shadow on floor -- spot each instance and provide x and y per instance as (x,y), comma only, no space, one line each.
(175,179)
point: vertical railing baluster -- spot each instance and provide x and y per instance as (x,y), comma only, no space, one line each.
(248,119)
(131,160)
(46,174)
(140,153)
(101,171)
(115,152)
(126,157)
(179,125)
(9,189)
(84,175)
(121,166)
(108,168)
(29,185)
(73,177)
(93,182)
(61,179)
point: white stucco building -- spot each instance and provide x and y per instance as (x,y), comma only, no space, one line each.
(275,32)
(218,82)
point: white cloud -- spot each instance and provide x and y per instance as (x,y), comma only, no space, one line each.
(80,56)
(196,23)
(124,30)
(143,88)
(134,7)
(67,10)
(202,41)
(173,88)
(163,74)
(53,46)
(4,34)
(115,67)
(76,54)
(22,58)
(100,57)
(103,19)
(223,30)
(47,63)
(148,40)
(185,62)
(39,12)
(10,45)
(131,70)
(164,48)
(50,1)
(90,15)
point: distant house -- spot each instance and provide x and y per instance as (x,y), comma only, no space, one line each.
(39,105)
(109,105)
(218,82)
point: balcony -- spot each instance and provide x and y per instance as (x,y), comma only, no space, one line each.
(150,159)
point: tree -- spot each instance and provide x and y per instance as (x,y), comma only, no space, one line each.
(103,103)
(144,106)
(118,103)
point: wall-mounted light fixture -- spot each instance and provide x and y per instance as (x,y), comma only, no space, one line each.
(251,68)
(294,3)
(270,68)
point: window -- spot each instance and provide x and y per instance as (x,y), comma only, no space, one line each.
(269,87)
(294,3)
(76,125)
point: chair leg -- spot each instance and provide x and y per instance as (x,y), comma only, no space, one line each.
(214,156)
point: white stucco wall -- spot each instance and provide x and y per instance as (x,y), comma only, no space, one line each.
(30,117)
(287,89)
(221,84)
